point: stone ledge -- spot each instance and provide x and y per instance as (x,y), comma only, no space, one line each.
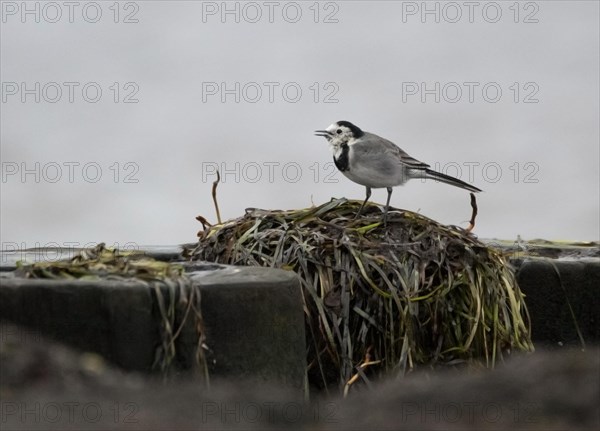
(253,316)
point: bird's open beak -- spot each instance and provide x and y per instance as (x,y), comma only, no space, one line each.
(323,133)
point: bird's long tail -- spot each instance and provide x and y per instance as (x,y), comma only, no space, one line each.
(438,176)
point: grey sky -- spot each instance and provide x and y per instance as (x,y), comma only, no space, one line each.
(151,160)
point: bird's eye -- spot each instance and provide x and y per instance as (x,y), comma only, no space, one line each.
(338,131)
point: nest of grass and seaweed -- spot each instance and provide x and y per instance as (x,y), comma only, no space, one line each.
(177,298)
(381,301)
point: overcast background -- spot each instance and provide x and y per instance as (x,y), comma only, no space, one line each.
(101,169)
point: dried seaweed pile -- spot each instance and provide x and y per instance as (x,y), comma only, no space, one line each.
(382,301)
(177,298)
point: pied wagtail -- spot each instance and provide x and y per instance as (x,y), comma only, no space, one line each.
(375,162)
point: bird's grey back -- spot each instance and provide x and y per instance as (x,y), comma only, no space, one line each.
(373,146)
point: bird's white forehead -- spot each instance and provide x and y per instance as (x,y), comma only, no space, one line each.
(332,127)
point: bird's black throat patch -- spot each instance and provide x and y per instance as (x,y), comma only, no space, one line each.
(342,161)
(356,131)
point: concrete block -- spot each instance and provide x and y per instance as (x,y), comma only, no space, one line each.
(253,320)
(548,294)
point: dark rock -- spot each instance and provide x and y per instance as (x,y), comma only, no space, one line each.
(554,288)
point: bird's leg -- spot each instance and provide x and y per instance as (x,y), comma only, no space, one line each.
(363,204)
(387,206)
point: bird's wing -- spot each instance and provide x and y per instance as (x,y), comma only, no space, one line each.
(373,146)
